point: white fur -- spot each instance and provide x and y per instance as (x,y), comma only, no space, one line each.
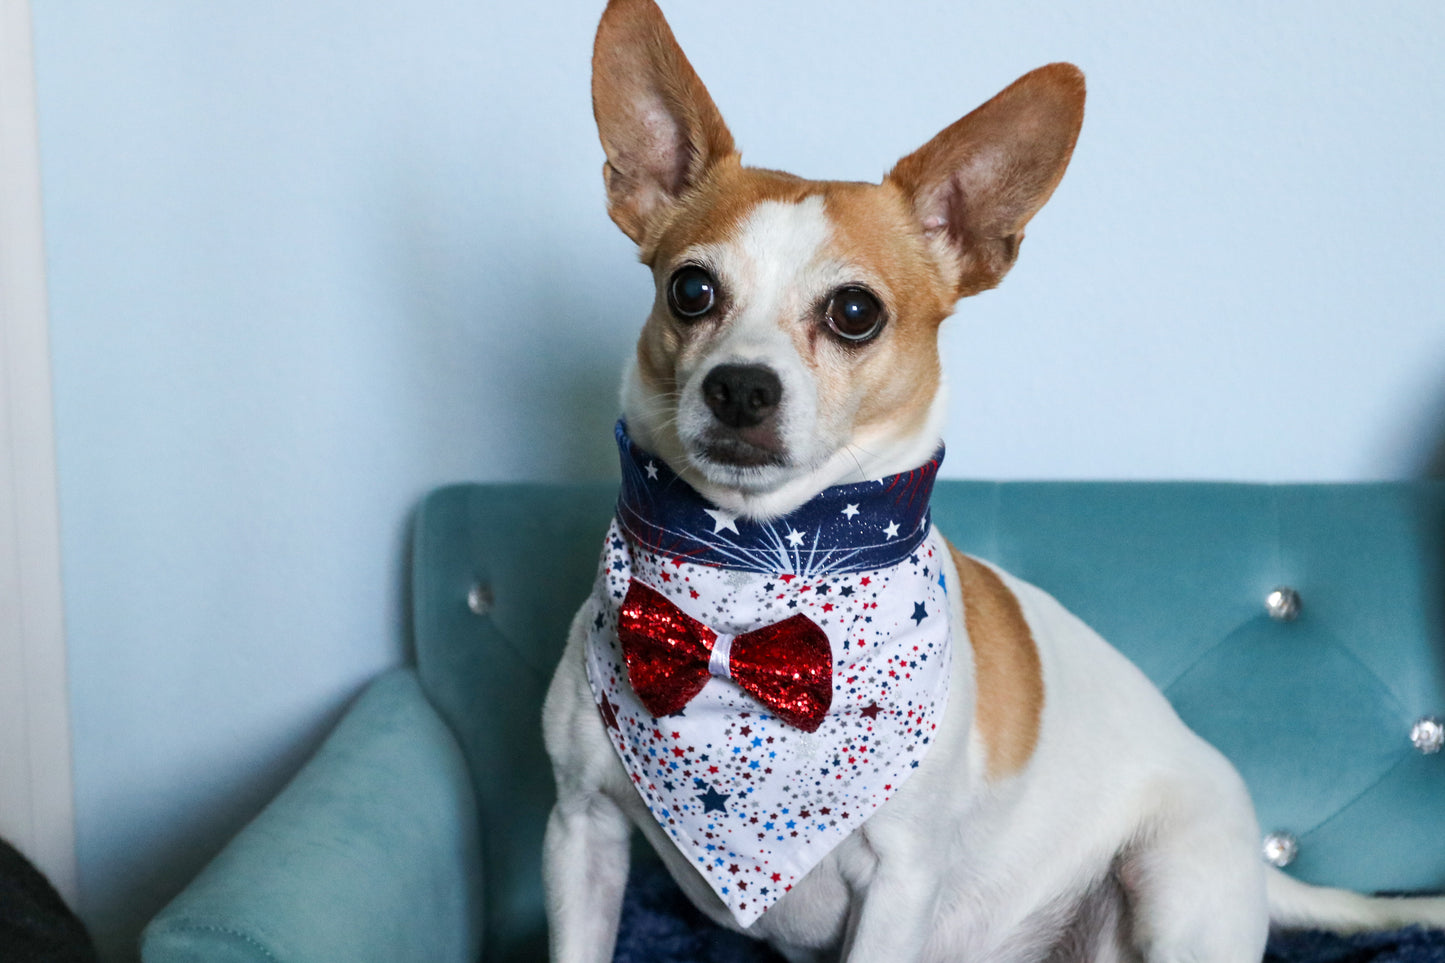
(776,267)
(957,865)
(768,270)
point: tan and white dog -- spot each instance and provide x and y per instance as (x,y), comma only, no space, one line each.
(1063,812)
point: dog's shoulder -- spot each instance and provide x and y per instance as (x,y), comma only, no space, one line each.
(573,726)
(1009,701)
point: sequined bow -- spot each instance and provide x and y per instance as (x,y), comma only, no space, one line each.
(787,666)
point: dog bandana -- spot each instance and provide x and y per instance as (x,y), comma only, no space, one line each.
(768,685)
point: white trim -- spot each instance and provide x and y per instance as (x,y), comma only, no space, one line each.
(37,803)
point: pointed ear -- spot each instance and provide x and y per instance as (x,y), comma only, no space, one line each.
(975,185)
(659,128)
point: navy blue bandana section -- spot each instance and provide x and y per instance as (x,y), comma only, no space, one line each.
(846,528)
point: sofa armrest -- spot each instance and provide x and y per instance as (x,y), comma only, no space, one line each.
(369,854)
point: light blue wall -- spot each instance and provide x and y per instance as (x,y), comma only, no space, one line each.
(310,258)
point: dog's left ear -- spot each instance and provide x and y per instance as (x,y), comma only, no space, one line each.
(975,185)
(659,127)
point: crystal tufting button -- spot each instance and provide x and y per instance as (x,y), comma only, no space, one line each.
(1283,604)
(479,599)
(1280,849)
(1428,735)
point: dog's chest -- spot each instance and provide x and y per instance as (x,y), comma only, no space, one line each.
(752,802)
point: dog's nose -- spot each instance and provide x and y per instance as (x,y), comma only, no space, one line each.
(742,395)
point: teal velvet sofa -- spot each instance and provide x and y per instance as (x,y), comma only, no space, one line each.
(415,831)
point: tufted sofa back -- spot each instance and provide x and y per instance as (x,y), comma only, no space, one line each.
(1317,711)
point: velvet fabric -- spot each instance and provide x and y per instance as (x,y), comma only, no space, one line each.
(369,856)
(659,925)
(422,839)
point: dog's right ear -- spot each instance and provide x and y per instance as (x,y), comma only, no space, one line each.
(976,185)
(659,128)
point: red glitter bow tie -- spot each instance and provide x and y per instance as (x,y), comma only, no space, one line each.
(787,666)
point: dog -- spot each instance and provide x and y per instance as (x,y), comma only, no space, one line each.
(841,735)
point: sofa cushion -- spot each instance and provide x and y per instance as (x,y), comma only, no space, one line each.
(525,556)
(1316,713)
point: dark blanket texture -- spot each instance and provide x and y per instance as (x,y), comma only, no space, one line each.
(659,925)
(35,924)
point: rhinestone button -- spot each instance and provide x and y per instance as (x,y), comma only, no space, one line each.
(1428,735)
(1283,604)
(479,599)
(1280,849)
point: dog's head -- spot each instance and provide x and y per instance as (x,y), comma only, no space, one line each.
(793,339)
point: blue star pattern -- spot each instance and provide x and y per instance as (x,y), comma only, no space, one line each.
(712,800)
(847,528)
(752,802)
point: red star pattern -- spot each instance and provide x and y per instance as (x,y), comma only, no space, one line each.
(752,802)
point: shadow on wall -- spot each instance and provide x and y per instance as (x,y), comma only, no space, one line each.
(1434,466)
(555,400)
(574,398)
(513,335)
(160,865)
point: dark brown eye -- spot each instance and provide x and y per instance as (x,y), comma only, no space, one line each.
(691,293)
(854,314)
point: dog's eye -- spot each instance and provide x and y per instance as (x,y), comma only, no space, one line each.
(691,293)
(854,314)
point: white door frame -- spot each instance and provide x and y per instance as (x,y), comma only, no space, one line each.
(37,803)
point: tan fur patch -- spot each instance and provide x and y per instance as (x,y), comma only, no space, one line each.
(885,389)
(715,208)
(1008,676)
(874,226)
(979,181)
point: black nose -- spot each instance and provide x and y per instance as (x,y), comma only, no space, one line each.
(742,395)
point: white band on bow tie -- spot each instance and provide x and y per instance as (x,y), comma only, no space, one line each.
(717,663)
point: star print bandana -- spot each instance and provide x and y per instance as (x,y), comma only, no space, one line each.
(753,802)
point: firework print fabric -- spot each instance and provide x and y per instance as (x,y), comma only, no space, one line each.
(847,528)
(752,802)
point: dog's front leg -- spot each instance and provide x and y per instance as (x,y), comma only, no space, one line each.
(585,852)
(585,867)
(891,925)
(893,910)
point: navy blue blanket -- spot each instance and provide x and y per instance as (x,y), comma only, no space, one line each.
(659,925)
